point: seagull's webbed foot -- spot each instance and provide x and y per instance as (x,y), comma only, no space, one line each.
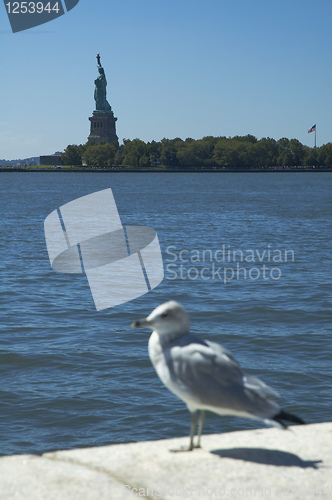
(183,448)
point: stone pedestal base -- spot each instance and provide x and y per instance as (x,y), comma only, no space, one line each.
(103,128)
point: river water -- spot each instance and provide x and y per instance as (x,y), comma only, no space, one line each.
(248,255)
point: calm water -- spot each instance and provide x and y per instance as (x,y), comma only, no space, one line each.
(74,377)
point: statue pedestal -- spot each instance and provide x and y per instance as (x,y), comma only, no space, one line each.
(103,127)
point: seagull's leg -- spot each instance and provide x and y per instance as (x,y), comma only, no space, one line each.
(192,429)
(200,428)
(192,434)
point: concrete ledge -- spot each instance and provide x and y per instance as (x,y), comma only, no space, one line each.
(260,464)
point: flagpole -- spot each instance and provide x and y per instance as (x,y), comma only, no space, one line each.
(311,129)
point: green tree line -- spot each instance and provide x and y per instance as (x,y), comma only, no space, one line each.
(210,152)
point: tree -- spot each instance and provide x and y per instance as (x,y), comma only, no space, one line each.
(265,153)
(291,152)
(168,153)
(132,151)
(283,148)
(100,155)
(234,153)
(154,152)
(297,151)
(246,138)
(310,157)
(324,155)
(72,155)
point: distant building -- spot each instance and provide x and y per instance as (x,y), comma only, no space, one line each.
(53,160)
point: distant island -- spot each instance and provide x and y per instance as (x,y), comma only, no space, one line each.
(239,153)
(32,161)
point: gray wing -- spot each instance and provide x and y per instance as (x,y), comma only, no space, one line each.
(209,376)
(259,386)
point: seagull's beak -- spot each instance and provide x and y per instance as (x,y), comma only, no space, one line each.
(140,322)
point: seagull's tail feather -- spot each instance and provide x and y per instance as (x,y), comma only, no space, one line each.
(283,415)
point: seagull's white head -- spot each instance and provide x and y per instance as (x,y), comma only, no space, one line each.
(168,319)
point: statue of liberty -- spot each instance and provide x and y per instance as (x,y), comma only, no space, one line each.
(100,90)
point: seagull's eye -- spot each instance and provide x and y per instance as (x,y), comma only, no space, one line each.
(164,315)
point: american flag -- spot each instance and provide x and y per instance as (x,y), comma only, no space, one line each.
(312,129)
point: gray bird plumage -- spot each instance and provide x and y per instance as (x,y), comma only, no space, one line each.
(204,374)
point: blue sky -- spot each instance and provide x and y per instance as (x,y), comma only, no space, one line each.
(175,68)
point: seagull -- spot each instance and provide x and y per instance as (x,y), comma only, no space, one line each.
(205,375)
